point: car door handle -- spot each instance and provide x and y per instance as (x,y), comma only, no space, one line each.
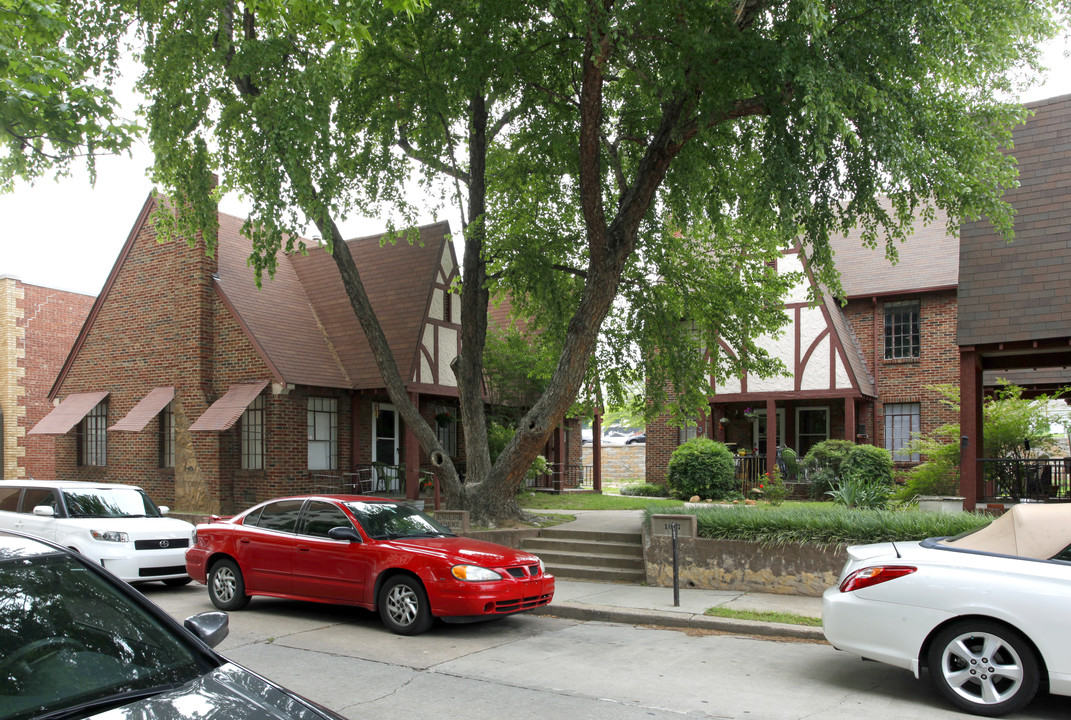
(303,548)
(244,541)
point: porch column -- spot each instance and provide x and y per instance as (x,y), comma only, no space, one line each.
(971,478)
(771,435)
(849,419)
(596,450)
(412,456)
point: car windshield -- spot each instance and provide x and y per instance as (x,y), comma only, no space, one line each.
(72,638)
(109,502)
(388,520)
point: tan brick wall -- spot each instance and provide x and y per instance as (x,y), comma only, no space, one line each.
(620,462)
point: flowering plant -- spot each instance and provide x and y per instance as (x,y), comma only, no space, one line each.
(750,413)
(774,488)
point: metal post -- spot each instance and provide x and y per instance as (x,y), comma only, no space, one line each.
(674,528)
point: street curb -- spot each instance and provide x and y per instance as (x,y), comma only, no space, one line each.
(632,616)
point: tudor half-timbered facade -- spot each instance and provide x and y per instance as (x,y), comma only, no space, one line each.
(860,365)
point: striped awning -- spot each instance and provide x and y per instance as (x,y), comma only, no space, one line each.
(68,413)
(148,408)
(223,413)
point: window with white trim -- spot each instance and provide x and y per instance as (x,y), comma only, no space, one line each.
(93,437)
(902,421)
(251,431)
(323,433)
(689,432)
(812,427)
(902,330)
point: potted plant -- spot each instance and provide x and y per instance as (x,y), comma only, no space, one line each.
(443,418)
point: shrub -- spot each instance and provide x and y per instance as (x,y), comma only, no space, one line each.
(868,464)
(856,493)
(939,475)
(825,525)
(822,481)
(774,488)
(645,490)
(701,467)
(828,454)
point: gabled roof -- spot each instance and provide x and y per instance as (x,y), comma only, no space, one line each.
(928,260)
(301,320)
(853,354)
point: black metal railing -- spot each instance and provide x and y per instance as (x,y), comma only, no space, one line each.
(1042,480)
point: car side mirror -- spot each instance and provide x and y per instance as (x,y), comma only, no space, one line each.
(210,627)
(45,511)
(164,509)
(344,533)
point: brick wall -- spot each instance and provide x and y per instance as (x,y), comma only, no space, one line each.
(38,325)
(620,462)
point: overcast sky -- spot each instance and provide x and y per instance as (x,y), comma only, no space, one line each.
(67,235)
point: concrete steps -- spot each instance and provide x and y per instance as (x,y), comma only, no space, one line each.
(590,555)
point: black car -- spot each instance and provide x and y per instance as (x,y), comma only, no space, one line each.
(77,642)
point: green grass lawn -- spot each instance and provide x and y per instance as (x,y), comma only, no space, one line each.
(786,618)
(591,501)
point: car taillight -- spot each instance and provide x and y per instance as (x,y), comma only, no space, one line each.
(868,576)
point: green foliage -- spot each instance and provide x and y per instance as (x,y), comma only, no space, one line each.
(774,490)
(823,480)
(1010,423)
(791,461)
(855,492)
(868,464)
(825,525)
(701,467)
(828,454)
(58,63)
(645,490)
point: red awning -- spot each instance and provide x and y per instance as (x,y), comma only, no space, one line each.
(68,413)
(223,413)
(149,407)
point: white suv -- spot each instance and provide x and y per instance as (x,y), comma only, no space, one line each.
(117,526)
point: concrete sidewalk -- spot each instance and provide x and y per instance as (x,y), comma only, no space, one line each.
(644,605)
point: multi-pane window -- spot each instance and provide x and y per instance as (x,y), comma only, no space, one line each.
(689,432)
(251,430)
(167,437)
(446,429)
(323,433)
(812,427)
(901,330)
(902,420)
(93,437)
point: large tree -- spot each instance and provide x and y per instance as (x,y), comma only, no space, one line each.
(59,60)
(625,171)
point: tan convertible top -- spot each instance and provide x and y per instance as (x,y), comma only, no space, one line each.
(1031,530)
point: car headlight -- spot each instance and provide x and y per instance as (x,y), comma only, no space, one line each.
(474,573)
(542,567)
(193,537)
(109,536)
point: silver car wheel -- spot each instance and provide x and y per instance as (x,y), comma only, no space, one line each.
(403,605)
(982,668)
(223,584)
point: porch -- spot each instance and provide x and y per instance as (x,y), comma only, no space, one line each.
(1029,480)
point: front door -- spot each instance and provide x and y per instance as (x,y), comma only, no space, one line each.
(385,447)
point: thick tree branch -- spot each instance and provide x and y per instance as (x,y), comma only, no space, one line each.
(434,163)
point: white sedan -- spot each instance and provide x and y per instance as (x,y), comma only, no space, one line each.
(986,613)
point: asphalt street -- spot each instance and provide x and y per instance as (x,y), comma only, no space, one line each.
(542,667)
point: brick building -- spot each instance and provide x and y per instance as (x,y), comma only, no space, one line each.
(38,325)
(857,370)
(189,381)
(860,371)
(1015,298)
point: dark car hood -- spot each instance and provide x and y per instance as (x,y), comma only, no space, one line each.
(229,692)
(466,550)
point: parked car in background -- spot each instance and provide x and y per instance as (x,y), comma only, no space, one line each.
(370,552)
(636,438)
(985,613)
(78,643)
(116,526)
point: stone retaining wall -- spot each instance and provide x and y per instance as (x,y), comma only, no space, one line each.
(620,462)
(734,565)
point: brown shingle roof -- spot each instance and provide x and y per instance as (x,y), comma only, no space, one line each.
(929,259)
(301,320)
(1019,290)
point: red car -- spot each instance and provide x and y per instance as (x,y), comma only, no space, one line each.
(370,552)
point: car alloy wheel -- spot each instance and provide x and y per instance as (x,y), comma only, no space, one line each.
(403,606)
(984,667)
(226,588)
